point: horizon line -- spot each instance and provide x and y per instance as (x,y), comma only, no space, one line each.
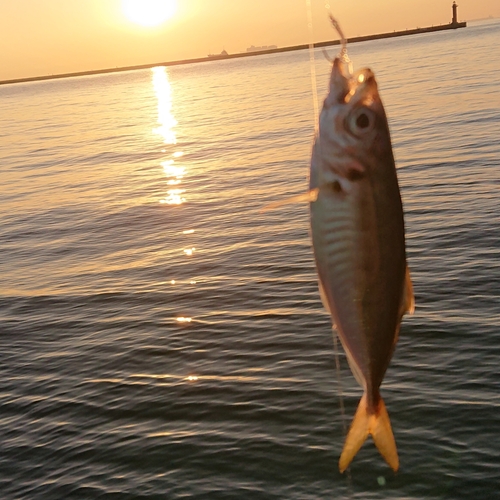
(219,57)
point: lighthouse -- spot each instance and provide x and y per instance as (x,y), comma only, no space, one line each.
(454,20)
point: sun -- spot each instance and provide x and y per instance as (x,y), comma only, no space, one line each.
(149,12)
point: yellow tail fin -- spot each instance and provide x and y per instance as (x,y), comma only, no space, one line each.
(364,424)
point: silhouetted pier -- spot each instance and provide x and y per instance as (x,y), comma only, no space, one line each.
(454,24)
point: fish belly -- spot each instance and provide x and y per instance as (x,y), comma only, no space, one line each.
(357,263)
(338,248)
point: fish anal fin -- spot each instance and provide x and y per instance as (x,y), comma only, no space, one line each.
(376,424)
(324,299)
(355,370)
(358,375)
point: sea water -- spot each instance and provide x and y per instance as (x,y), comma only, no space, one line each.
(162,337)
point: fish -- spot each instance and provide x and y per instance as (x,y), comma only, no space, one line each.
(358,239)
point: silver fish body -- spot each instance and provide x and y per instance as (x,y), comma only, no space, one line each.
(359,243)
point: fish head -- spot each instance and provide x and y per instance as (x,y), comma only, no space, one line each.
(354,103)
(353,132)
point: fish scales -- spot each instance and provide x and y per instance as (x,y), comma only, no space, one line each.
(358,238)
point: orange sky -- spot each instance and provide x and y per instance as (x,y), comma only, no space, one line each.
(43,37)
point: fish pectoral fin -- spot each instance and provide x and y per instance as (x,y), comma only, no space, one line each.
(350,169)
(311,195)
(378,425)
(408,301)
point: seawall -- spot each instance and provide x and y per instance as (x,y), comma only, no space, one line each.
(356,39)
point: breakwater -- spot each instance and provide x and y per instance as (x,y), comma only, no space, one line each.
(393,34)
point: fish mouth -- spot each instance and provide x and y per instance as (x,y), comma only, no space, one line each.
(345,87)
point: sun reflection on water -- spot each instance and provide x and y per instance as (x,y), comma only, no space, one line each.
(172,168)
(166,119)
(166,129)
(182,319)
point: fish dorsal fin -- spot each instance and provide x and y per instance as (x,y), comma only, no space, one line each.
(408,300)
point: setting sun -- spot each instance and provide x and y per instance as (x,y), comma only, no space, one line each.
(149,12)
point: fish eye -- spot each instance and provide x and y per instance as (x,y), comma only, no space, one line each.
(361,121)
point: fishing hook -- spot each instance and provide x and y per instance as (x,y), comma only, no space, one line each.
(343,42)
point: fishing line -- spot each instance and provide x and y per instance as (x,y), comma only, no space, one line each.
(312,64)
(341,395)
(345,58)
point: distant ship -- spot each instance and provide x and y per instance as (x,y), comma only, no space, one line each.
(219,56)
(253,48)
